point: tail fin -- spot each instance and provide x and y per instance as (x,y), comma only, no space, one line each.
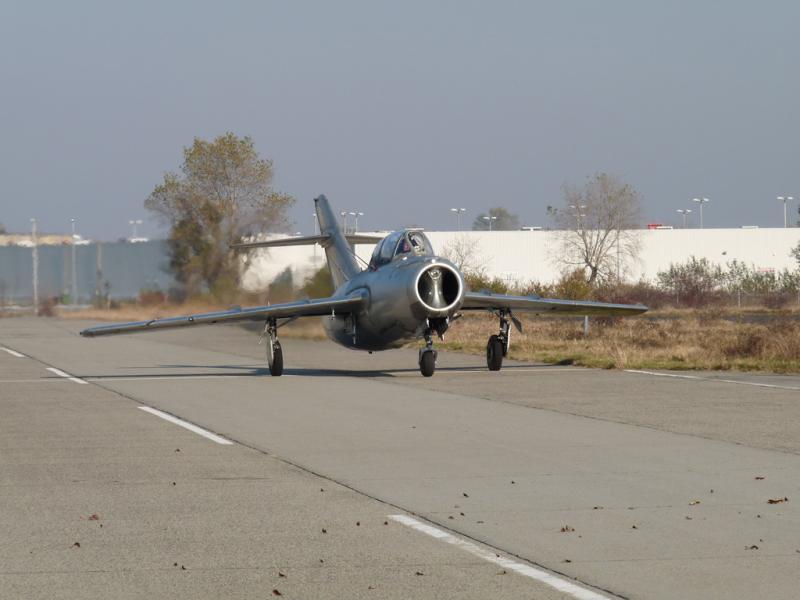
(341,260)
(338,245)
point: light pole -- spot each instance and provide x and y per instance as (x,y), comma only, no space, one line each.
(134,224)
(355,215)
(579,214)
(785,200)
(74,267)
(35,268)
(458,212)
(701,201)
(315,222)
(684,212)
(343,214)
(489,219)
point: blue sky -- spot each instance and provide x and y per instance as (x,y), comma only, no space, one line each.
(401,109)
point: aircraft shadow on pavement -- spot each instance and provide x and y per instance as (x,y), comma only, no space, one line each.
(251,371)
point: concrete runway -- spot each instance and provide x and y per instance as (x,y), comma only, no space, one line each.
(586,483)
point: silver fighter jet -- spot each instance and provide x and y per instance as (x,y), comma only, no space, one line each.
(405,293)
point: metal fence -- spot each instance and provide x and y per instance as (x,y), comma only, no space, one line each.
(119,269)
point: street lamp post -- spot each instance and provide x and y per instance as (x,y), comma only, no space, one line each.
(74,267)
(684,212)
(134,223)
(35,241)
(701,201)
(490,219)
(315,222)
(343,214)
(785,200)
(579,214)
(458,212)
(355,215)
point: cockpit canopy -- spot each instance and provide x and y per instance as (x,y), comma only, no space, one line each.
(400,243)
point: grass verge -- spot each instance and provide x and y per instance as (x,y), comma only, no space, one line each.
(677,340)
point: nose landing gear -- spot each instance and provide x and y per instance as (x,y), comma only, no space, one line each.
(427,356)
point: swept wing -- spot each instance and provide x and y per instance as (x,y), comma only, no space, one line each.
(302,308)
(545,306)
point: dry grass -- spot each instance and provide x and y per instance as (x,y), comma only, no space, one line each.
(687,339)
(692,341)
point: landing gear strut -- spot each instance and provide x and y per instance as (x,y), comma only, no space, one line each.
(427,356)
(497,348)
(274,350)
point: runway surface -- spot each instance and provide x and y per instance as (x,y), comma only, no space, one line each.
(353,476)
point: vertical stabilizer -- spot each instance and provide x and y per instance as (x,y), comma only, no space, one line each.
(341,260)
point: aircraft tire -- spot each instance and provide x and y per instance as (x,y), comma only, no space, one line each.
(494,353)
(427,363)
(275,360)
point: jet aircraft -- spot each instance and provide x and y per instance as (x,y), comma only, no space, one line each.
(406,292)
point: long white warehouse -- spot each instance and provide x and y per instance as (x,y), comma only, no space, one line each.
(523,256)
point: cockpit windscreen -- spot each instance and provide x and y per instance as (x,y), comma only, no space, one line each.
(400,243)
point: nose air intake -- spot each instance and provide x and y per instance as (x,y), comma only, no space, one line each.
(438,288)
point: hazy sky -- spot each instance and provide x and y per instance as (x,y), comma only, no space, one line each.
(402,109)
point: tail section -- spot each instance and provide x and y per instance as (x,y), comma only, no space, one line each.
(338,245)
(341,260)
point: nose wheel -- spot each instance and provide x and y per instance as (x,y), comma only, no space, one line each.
(427,357)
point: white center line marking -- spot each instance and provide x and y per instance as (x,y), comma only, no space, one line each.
(61,373)
(194,428)
(713,379)
(554,581)
(12,352)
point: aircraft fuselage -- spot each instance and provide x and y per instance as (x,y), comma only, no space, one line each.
(406,297)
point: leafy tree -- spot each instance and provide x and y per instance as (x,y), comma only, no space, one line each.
(597,222)
(223,193)
(318,285)
(503,220)
(693,283)
(796,253)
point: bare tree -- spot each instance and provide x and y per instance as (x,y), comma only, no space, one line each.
(465,253)
(598,222)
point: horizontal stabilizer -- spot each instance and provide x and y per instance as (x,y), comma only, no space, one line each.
(309,240)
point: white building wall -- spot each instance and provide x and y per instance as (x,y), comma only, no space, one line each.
(523,256)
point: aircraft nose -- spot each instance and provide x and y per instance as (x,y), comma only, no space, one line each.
(430,288)
(438,288)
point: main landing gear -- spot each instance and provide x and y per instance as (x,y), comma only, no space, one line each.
(497,348)
(274,350)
